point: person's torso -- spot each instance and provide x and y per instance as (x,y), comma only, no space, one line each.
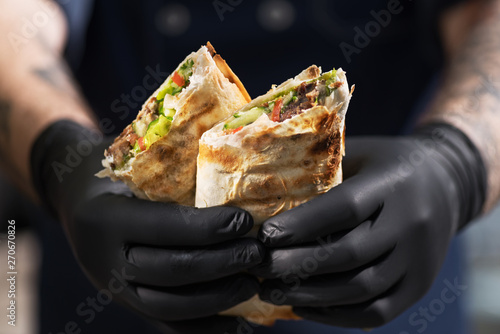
(384,46)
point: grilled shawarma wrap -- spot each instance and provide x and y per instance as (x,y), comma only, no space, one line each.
(156,154)
(275,153)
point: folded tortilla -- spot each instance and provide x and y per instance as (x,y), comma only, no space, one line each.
(156,154)
(275,153)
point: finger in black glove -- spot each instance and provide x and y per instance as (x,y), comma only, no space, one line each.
(168,262)
(362,253)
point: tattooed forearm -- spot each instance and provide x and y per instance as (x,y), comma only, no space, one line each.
(56,74)
(470,95)
(36,89)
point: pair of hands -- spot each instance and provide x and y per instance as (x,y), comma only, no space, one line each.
(356,256)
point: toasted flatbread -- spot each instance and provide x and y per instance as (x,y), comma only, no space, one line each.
(162,166)
(286,156)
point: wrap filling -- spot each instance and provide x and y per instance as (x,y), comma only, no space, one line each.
(154,120)
(288,104)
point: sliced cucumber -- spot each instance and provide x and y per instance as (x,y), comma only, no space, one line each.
(150,138)
(152,124)
(160,127)
(169,113)
(157,129)
(161,94)
(288,98)
(245,117)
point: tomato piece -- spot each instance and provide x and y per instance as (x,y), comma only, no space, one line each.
(142,144)
(178,79)
(235,130)
(275,115)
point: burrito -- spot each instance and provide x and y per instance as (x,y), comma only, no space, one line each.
(156,154)
(275,153)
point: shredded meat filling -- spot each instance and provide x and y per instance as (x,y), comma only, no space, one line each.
(121,147)
(306,98)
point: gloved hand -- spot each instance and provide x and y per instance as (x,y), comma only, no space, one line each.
(168,262)
(368,249)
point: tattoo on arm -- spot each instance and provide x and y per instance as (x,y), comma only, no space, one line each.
(57,75)
(470,94)
(475,73)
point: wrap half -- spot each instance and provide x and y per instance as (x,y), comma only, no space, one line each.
(156,154)
(275,153)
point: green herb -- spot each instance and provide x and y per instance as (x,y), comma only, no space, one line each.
(171,88)
(186,69)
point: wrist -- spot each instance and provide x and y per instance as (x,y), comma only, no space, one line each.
(56,154)
(456,153)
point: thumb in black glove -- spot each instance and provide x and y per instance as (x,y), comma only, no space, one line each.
(168,262)
(362,253)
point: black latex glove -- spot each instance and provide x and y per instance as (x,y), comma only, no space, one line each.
(368,249)
(167,262)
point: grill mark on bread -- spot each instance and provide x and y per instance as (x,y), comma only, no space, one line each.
(223,156)
(313,71)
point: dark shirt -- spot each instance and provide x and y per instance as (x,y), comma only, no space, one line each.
(389,49)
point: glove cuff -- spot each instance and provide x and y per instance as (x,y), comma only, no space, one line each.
(56,153)
(464,163)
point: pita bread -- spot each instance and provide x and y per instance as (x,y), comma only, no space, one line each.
(269,167)
(166,170)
